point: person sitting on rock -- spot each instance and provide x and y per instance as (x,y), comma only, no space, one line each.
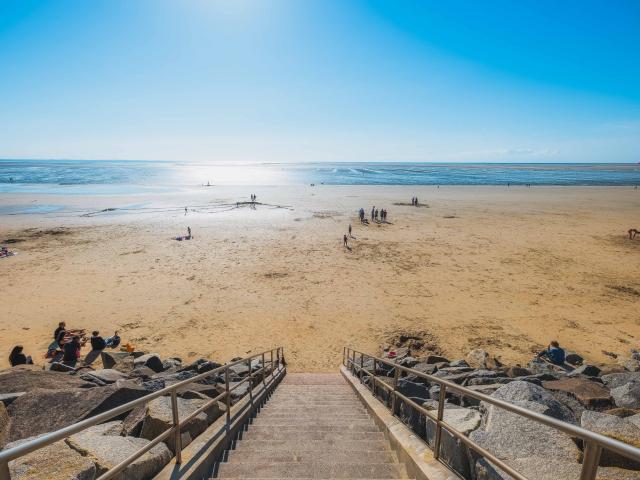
(71,351)
(113,342)
(18,358)
(553,354)
(97,342)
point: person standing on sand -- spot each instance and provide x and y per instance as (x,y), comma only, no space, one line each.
(189,231)
(376,215)
(344,240)
(349,229)
(185,210)
(373,211)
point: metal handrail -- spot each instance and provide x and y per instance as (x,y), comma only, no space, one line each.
(594,442)
(49,438)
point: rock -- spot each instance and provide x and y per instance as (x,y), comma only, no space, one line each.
(510,436)
(622,412)
(615,380)
(159,418)
(611,473)
(488,381)
(7,398)
(611,368)
(538,366)
(591,394)
(18,379)
(63,407)
(630,364)
(171,363)
(572,358)
(144,373)
(408,362)
(418,392)
(462,378)
(628,395)
(479,358)
(56,461)
(431,359)
(5,426)
(518,391)
(111,359)
(193,365)
(532,467)
(207,367)
(150,360)
(105,375)
(106,449)
(132,424)
(240,369)
(459,363)
(428,368)
(452,450)
(514,372)
(61,367)
(586,370)
(615,427)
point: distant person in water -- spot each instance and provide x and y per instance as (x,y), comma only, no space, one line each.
(71,352)
(633,232)
(553,353)
(16,357)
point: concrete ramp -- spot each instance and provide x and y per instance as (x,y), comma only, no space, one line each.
(313,426)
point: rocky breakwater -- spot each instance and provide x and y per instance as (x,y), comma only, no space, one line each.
(601,398)
(35,401)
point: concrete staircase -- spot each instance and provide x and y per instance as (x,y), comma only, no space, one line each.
(313,426)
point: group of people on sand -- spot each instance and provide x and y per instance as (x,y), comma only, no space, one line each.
(5,252)
(375,213)
(67,344)
(414,201)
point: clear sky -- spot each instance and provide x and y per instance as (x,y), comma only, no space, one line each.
(321,80)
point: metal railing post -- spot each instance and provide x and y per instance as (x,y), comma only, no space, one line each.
(264,373)
(396,375)
(361,373)
(441,399)
(176,425)
(5,474)
(271,363)
(250,383)
(590,461)
(353,361)
(227,397)
(373,377)
(344,352)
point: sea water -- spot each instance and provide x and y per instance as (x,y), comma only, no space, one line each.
(114,177)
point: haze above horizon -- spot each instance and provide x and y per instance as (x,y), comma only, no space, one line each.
(320,80)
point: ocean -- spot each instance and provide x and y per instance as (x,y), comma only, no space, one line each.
(113,177)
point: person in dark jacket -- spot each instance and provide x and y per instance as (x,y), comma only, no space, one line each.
(16,357)
(71,352)
(97,342)
(553,354)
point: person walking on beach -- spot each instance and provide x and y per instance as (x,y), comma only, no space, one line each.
(416,201)
(376,215)
(189,232)
(350,230)
(373,211)
(344,240)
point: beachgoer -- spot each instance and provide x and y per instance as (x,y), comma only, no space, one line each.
(376,214)
(71,351)
(633,232)
(344,239)
(61,332)
(189,231)
(16,357)
(373,211)
(114,341)
(61,326)
(416,201)
(97,342)
(185,210)
(349,229)
(553,353)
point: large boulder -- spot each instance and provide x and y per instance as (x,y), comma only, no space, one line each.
(573,358)
(532,467)
(105,375)
(514,372)
(624,429)
(453,451)
(103,445)
(586,370)
(5,424)
(615,380)
(121,361)
(150,360)
(520,391)
(480,358)
(18,379)
(631,364)
(591,394)
(40,411)
(159,418)
(628,395)
(418,392)
(56,461)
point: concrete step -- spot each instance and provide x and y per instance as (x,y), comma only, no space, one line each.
(313,379)
(300,456)
(274,422)
(311,445)
(314,470)
(277,434)
(294,412)
(257,429)
(321,415)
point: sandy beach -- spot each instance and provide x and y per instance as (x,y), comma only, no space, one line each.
(505,269)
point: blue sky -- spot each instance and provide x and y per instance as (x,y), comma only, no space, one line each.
(320,80)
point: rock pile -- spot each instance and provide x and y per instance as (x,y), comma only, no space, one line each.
(601,398)
(36,401)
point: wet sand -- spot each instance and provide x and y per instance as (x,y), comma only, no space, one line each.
(505,269)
